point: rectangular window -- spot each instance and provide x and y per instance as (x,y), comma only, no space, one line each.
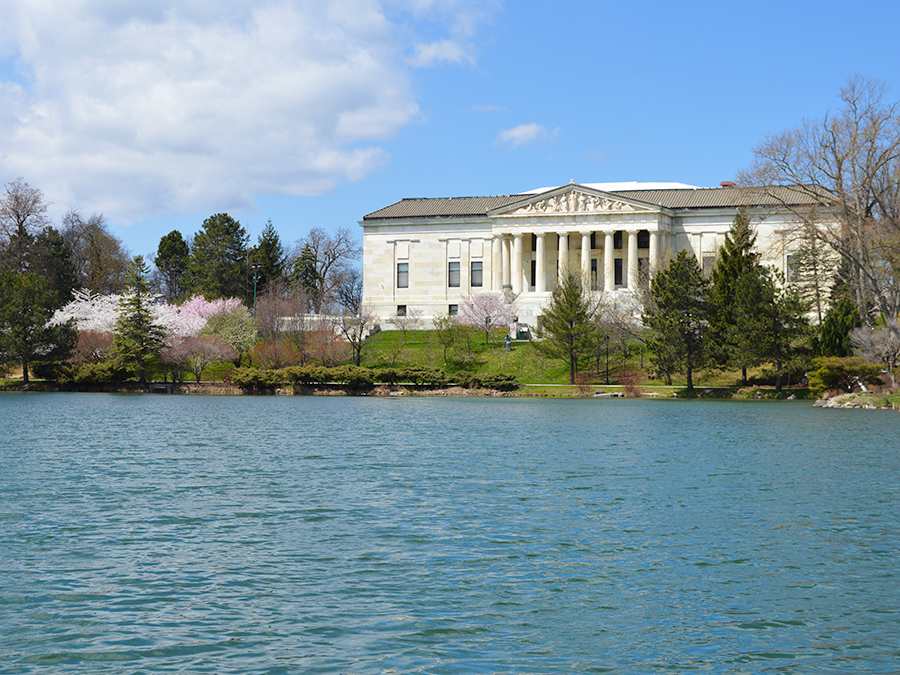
(594,266)
(709,262)
(402,275)
(593,240)
(477,270)
(454,275)
(534,242)
(401,310)
(617,240)
(453,310)
(790,269)
(533,273)
(619,280)
(643,239)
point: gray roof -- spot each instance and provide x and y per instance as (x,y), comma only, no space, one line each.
(675,199)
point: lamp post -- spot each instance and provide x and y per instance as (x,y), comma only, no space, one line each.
(255,267)
(607,359)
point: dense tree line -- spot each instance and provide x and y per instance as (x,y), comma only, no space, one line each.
(42,268)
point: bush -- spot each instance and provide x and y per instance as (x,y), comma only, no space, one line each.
(354,376)
(842,373)
(93,373)
(496,381)
(420,375)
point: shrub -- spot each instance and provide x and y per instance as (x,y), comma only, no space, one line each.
(354,376)
(842,373)
(94,373)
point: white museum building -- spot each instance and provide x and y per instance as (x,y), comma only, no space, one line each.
(431,254)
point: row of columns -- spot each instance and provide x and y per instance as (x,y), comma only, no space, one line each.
(511,272)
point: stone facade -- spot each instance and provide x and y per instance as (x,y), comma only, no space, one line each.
(431,254)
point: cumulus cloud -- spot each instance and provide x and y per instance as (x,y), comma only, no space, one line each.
(139,109)
(525,134)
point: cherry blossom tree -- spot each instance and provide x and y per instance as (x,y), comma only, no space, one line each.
(488,311)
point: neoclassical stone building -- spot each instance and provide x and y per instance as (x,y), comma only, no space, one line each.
(432,253)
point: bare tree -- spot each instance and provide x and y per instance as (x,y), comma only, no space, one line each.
(349,290)
(843,187)
(331,256)
(356,329)
(879,345)
(22,215)
(100,258)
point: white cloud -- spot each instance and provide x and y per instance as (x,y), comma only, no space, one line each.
(525,134)
(139,109)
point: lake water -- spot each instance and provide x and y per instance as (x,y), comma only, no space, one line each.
(167,534)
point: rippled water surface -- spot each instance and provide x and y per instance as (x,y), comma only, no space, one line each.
(151,534)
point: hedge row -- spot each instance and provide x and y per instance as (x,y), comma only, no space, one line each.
(357,377)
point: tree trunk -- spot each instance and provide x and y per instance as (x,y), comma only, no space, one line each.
(743,376)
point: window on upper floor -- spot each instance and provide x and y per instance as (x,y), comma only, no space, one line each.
(453,275)
(617,239)
(643,239)
(477,273)
(402,275)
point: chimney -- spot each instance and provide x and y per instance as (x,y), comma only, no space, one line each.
(726,183)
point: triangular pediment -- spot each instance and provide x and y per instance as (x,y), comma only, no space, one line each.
(573,199)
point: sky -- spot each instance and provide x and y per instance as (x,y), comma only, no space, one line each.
(313,113)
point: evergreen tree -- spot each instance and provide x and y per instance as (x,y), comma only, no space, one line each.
(269,255)
(569,321)
(52,258)
(834,334)
(172,257)
(137,338)
(731,343)
(678,317)
(306,277)
(216,265)
(26,305)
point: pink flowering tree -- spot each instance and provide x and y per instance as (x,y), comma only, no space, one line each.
(489,311)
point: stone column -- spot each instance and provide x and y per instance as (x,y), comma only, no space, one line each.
(540,273)
(563,255)
(609,269)
(517,272)
(586,260)
(505,281)
(632,260)
(698,247)
(654,251)
(496,263)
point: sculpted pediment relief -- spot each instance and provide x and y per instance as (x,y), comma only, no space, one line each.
(574,201)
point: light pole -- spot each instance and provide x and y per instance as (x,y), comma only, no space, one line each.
(607,359)
(255,267)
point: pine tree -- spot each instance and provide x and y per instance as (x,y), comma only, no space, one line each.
(26,305)
(137,338)
(678,317)
(171,262)
(732,344)
(217,260)
(306,276)
(569,321)
(268,254)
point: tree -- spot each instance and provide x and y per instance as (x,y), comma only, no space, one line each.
(734,342)
(446,331)
(569,321)
(772,320)
(100,259)
(487,312)
(216,266)
(268,257)
(52,259)
(236,327)
(172,257)
(307,279)
(879,345)
(834,335)
(356,330)
(22,215)
(331,257)
(26,305)
(679,317)
(196,353)
(138,338)
(847,166)
(349,291)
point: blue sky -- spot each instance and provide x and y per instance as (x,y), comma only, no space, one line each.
(314,113)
